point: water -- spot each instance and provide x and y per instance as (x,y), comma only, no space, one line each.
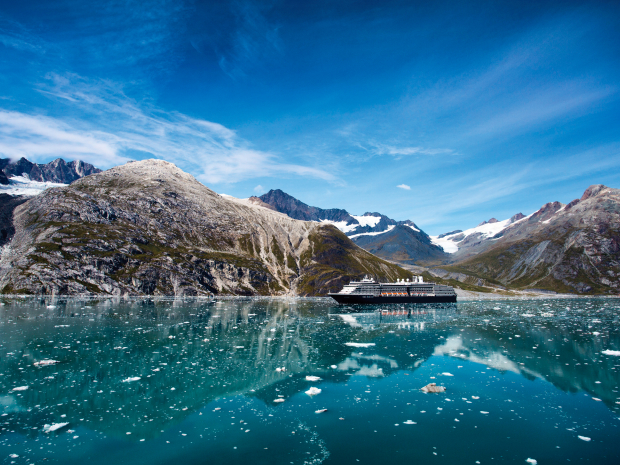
(524,379)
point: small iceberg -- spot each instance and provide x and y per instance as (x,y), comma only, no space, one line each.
(409,422)
(278,400)
(615,353)
(53,427)
(447,374)
(323,410)
(313,391)
(532,461)
(20,388)
(45,363)
(280,369)
(313,378)
(359,344)
(584,438)
(129,380)
(432,387)
(483,412)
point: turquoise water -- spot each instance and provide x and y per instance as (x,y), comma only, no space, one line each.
(186,381)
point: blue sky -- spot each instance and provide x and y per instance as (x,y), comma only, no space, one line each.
(445,113)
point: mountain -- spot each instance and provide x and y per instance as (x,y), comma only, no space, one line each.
(402,244)
(149,228)
(298,210)
(564,248)
(400,241)
(57,171)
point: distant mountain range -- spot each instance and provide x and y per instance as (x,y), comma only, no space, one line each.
(57,171)
(563,248)
(401,241)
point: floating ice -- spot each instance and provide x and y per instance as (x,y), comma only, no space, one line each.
(313,391)
(615,353)
(278,400)
(532,461)
(527,315)
(359,344)
(432,387)
(584,438)
(596,399)
(409,422)
(46,362)
(483,412)
(447,374)
(323,410)
(313,378)
(51,307)
(54,427)
(129,380)
(20,388)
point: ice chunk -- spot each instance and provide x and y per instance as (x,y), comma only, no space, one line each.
(483,412)
(278,400)
(129,380)
(409,422)
(432,387)
(447,374)
(359,344)
(584,438)
(313,391)
(46,362)
(532,461)
(54,427)
(615,353)
(20,388)
(313,378)
(323,410)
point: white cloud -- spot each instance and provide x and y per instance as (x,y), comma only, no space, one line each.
(259,189)
(113,128)
(404,186)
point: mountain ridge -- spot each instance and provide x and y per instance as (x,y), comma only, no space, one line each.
(148,228)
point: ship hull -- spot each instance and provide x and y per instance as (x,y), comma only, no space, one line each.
(370,299)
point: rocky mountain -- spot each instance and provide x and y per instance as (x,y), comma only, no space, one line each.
(400,241)
(57,171)
(149,228)
(402,244)
(565,248)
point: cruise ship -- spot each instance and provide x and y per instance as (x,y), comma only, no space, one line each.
(368,291)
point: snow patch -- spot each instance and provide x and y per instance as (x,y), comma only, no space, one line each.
(371,221)
(373,233)
(21,185)
(342,225)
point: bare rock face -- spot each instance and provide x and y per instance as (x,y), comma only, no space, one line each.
(149,228)
(564,248)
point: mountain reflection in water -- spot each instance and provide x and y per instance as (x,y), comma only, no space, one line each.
(145,365)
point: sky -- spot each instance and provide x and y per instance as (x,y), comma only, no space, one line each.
(446,113)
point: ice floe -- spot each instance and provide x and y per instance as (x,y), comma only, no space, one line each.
(54,427)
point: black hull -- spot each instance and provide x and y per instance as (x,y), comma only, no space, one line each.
(361,299)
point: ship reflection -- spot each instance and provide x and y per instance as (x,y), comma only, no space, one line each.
(414,317)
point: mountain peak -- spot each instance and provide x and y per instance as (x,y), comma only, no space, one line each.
(593,191)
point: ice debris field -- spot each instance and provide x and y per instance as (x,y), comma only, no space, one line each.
(307,382)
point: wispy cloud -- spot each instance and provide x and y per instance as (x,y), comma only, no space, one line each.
(110,128)
(404,186)
(259,189)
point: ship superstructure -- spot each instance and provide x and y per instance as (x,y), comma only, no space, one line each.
(368,291)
